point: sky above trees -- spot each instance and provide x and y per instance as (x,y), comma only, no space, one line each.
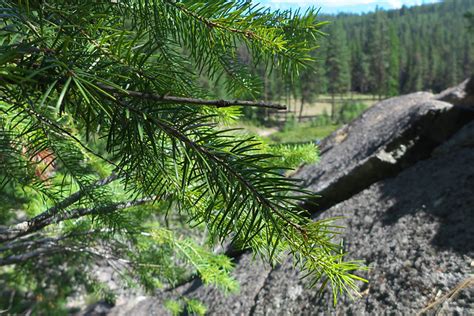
(336,6)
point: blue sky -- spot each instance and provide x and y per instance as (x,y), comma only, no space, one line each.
(336,6)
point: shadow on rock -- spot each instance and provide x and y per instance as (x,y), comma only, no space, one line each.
(441,187)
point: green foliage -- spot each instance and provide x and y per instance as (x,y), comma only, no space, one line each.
(212,269)
(322,120)
(393,71)
(194,307)
(308,132)
(338,61)
(109,157)
(304,133)
(378,52)
(290,123)
(175,307)
(293,156)
(470,18)
(349,111)
(410,49)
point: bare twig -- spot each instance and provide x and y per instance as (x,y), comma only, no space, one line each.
(10,303)
(29,255)
(29,243)
(194,101)
(469,282)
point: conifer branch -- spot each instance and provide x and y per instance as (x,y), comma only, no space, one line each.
(194,101)
(37,223)
(23,257)
(164,145)
(73,198)
(212,24)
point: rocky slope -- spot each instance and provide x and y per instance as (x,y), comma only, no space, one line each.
(402,176)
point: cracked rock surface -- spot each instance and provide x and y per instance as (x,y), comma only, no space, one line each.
(402,176)
(386,139)
(415,230)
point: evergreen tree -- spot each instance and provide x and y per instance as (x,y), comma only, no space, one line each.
(470,18)
(433,43)
(378,53)
(415,70)
(110,148)
(311,82)
(360,70)
(337,63)
(452,69)
(393,82)
(432,32)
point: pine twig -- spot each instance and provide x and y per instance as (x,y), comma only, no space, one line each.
(194,101)
(467,283)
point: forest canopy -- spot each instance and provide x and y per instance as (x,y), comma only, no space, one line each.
(388,53)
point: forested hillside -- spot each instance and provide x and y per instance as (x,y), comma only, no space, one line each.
(388,53)
(420,48)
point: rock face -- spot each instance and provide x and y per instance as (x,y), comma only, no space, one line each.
(402,176)
(386,139)
(416,230)
(462,95)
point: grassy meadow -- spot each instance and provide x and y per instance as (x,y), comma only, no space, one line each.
(286,128)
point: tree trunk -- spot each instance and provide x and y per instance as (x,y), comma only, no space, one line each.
(333,107)
(301,108)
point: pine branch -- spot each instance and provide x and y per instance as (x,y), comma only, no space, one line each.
(170,149)
(15,259)
(29,243)
(194,101)
(249,34)
(73,198)
(175,133)
(36,224)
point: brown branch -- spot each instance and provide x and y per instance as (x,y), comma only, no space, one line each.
(39,222)
(26,227)
(194,101)
(39,251)
(73,198)
(30,243)
(29,255)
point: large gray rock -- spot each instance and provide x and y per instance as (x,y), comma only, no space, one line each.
(386,139)
(415,230)
(461,95)
(402,175)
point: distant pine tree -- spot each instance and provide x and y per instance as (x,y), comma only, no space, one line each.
(337,63)
(393,82)
(435,46)
(378,51)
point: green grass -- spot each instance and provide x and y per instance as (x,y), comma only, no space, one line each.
(320,127)
(322,103)
(302,133)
